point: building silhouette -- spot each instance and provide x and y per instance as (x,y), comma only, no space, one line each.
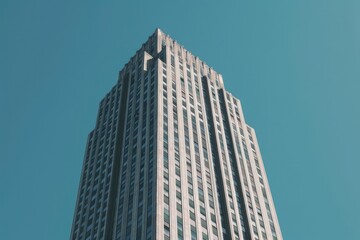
(171,157)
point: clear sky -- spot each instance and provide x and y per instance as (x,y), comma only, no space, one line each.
(295,65)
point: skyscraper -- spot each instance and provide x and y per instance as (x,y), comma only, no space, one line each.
(171,157)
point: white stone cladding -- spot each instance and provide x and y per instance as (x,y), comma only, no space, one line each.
(176,160)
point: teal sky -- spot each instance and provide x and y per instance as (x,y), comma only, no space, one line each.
(295,65)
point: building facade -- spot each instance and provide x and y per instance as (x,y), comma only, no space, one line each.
(171,157)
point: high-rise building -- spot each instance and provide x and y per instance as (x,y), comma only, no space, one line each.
(171,157)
